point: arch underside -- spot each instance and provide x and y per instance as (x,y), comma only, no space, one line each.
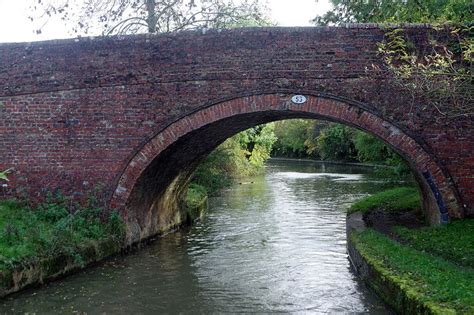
(151,188)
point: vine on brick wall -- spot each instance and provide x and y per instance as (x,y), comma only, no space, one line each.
(3,175)
(440,76)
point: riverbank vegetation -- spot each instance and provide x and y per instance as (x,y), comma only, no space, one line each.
(453,242)
(240,156)
(395,199)
(53,230)
(244,154)
(321,140)
(424,276)
(432,265)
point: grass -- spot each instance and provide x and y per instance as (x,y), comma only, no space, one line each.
(434,265)
(28,235)
(430,279)
(53,230)
(395,199)
(453,241)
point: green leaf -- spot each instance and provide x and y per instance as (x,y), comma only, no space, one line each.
(3,175)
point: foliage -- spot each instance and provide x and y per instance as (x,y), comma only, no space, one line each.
(297,138)
(303,138)
(4,175)
(152,16)
(257,142)
(214,172)
(428,278)
(373,150)
(452,241)
(369,148)
(196,194)
(395,199)
(239,156)
(411,11)
(313,132)
(291,137)
(394,168)
(335,143)
(51,230)
(441,77)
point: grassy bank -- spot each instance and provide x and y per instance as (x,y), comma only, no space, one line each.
(395,199)
(453,241)
(30,235)
(432,280)
(432,265)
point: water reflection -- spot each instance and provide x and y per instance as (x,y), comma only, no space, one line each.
(276,244)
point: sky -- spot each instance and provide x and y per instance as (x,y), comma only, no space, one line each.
(16,27)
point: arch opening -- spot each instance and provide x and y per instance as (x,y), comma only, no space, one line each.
(150,191)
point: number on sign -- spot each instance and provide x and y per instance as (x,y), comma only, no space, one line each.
(298,99)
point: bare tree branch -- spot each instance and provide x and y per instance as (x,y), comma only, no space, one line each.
(111,16)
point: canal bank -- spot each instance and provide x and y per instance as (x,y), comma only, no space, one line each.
(42,255)
(25,275)
(414,269)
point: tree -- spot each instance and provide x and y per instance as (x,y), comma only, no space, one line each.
(369,148)
(335,143)
(292,134)
(241,155)
(257,142)
(153,16)
(410,11)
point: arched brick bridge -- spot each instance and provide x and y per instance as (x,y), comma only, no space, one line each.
(131,117)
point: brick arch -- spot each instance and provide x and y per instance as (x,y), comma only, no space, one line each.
(438,194)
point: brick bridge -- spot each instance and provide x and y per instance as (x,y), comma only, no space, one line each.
(131,117)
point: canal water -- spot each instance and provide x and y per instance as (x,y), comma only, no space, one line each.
(273,244)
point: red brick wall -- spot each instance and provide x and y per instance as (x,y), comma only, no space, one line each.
(75,113)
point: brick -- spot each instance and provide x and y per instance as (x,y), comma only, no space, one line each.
(108,100)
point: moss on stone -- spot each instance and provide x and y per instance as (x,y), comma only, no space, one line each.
(19,277)
(426,283)
(196,202)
